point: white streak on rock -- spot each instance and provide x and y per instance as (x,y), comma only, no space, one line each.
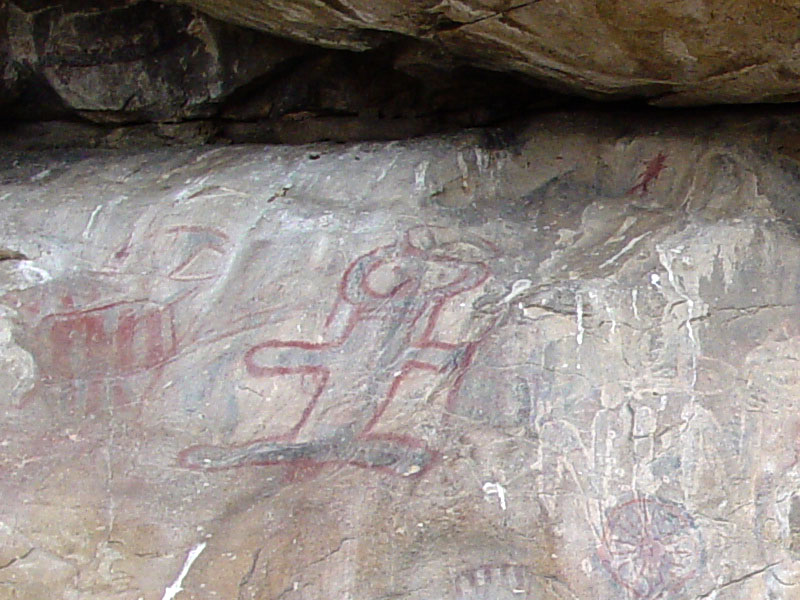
(88,230)
(666,262)
(580,328)
(420,174)
(41,175)
(386,169)
(33,274)
(177,585)
(627,247)
(491,488)
(464,168)
(481,159)
(655,280)
(520,286)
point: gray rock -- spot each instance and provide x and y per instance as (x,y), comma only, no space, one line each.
(555,361)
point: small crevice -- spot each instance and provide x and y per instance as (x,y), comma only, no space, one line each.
(16,559)
(737,580)
(249,575)
(9,254)
(446,24)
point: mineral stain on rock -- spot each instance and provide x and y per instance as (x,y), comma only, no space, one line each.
(556,387)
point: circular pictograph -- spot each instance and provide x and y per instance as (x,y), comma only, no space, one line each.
(651,548)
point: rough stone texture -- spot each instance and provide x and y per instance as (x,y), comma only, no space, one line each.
(551,362)
(125,61)
(383,94)
(89,73)
(140,61)
(677,53)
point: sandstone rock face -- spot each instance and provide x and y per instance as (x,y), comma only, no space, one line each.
(551,363)
(676,53)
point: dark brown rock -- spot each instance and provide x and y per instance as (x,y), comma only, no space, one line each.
(141,62)
(130,61)
(383,94)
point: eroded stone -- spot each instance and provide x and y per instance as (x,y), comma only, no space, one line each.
(549,362)
(126,61)
(677,53)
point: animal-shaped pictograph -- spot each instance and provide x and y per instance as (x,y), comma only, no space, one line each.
(100,348)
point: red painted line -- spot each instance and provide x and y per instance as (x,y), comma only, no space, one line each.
(396,382)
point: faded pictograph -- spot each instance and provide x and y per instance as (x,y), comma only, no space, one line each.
(652,170)
(502,389)
(385,329)
(102,338)
(771,385)
(494,582)
(651,548)
(95,350)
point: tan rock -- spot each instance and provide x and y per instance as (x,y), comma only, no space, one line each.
(675,53)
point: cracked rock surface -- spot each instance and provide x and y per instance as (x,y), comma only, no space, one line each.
(121,61)
(683,52)
(122,73)
(548,362)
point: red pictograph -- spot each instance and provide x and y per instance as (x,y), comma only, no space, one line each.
(115,340)
(90,348)
(651,548)
(652,169)
(381,330)
(90,352)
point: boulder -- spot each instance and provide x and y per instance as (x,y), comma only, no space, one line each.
(688,52)
(124,61)
(76,72)
(551,361)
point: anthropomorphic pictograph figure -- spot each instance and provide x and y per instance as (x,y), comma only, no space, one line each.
(381,329)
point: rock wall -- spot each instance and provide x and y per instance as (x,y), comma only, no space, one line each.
(553,361)
(126,61)
(676,53)
(139,73)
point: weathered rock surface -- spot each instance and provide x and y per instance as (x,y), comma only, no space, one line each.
(677,53)
(122,73)
(124,61)
(388,70)
(554,362)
